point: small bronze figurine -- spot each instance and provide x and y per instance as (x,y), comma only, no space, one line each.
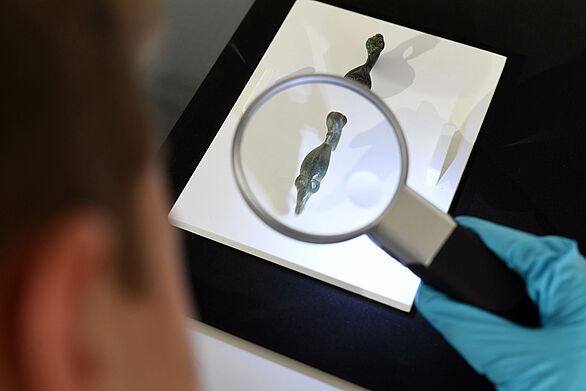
(314,167)
(316,163)
(374,46)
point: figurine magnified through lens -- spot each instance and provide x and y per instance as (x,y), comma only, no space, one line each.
(319,158)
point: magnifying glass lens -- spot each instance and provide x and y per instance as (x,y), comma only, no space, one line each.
(319,159)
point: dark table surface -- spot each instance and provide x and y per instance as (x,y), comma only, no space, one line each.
(527,170)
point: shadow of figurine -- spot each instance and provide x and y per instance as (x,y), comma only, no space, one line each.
(393,74)
(369,161)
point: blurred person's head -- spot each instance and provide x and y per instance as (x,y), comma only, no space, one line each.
(90,294)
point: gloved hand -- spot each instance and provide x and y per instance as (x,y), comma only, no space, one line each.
(513,357)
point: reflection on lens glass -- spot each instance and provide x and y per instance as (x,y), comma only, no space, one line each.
(321,159)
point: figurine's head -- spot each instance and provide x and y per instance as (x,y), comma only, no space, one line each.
(305,188)
(336,120)
(375,44)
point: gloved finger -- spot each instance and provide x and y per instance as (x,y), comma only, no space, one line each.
(553,269)
(492,345)
(516,248)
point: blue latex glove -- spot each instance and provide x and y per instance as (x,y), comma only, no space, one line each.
(513,357)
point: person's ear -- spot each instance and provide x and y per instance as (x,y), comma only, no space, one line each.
(63,265)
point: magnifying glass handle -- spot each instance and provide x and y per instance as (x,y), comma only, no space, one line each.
(468,271)
(452,258)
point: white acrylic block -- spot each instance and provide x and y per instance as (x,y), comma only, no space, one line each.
(427,81)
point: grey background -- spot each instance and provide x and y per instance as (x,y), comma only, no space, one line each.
(194,35)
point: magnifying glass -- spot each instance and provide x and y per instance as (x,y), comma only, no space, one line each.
(322,159)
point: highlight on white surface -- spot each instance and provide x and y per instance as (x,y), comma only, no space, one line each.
(438,159)
(428,82)
(263,80)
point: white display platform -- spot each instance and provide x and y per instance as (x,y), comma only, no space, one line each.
(438,89)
